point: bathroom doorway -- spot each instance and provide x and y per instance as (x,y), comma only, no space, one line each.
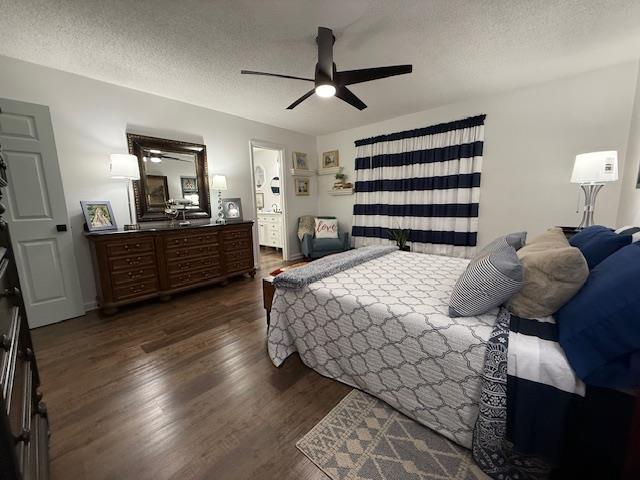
(269,200)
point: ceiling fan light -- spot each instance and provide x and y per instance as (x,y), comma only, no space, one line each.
(326,90)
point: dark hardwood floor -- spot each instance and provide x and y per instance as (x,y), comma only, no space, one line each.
(179,390)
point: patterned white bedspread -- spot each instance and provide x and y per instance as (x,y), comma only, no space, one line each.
(383,327)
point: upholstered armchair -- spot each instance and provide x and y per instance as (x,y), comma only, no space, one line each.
(319,247)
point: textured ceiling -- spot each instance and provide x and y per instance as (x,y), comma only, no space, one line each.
(193,50)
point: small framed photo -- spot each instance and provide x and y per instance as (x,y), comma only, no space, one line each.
(259,200)
(300,161)
(302,186)
(189,185)
(330,159)
(232,210)
(98,215)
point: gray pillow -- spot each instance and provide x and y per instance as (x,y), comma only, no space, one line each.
(490,280)
(515,240)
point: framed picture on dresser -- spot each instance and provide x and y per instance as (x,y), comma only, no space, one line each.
(98,215)
(232,210)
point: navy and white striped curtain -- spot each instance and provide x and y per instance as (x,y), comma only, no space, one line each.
(425,180)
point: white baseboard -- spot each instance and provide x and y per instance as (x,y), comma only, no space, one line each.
(88,306)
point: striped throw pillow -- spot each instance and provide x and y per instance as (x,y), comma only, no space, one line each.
(490,280)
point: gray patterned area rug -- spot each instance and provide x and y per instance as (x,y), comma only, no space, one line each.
(363,438)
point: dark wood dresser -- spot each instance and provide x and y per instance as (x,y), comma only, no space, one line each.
(24,427)
(136,265)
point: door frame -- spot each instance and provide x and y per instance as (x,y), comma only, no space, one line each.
(283,194)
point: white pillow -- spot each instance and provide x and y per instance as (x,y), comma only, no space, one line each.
(326,228)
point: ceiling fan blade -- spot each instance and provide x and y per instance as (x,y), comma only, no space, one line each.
(251,72)
(301,99)
(325,40)
(349,77)
(343,93)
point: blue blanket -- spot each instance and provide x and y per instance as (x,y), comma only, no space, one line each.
(527,389)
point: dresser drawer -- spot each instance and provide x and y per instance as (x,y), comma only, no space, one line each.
(234,245)
(132,262)
(133,275)
(138,289)
(179,241)
(192,252)
(239,264)
(9,353)
(236,234)
(128,247)
(6,301)
(188,265)
(19,402)
(183,279)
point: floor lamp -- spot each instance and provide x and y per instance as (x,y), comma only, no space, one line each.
(125,166)
(592,170)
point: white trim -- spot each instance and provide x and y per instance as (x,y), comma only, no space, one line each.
(88,306)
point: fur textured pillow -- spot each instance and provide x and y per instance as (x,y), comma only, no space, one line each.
(554,271)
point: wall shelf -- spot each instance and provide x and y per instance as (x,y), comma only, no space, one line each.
(299,172)
(328,171)
(341,191)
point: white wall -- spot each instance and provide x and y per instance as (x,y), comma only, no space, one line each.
(531,138)
(268,160)
(90,119)
(629,213)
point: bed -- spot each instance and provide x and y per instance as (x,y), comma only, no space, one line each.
(382,326)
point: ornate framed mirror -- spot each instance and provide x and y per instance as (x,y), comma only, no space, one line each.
(169,170)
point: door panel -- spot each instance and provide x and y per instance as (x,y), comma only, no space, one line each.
(28,186)
(18,126)
(45,257)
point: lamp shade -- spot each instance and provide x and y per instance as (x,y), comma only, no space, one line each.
(595,167)
(219,182)
(124,165)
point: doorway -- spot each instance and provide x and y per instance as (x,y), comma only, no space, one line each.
(267,168)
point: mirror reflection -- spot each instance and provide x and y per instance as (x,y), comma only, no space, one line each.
(171,177)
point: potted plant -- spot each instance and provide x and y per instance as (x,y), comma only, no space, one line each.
(401,237)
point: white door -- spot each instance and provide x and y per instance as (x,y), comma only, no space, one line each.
(38,220)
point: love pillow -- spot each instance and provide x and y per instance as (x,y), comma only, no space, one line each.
(326,228)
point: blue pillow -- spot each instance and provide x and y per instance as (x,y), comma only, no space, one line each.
(600,327)
(597,242)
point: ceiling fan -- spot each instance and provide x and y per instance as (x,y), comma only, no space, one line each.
(329,82)
(156,156)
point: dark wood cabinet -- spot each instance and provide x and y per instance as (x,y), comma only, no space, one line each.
(24,426)
(131,266)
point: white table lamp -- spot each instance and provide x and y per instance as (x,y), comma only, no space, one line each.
(592,170)
(219,183)
(125,166)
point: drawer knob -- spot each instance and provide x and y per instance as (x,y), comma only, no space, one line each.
(25,436)
(5,342)
(10,292)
